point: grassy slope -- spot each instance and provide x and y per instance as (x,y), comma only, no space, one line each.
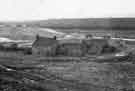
(74,75)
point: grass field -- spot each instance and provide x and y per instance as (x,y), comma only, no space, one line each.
(67,75)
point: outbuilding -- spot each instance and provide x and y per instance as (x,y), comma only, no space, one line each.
(44,46)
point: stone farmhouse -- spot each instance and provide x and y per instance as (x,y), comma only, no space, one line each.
(44,46)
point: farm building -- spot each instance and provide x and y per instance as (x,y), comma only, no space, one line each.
(97,46)
(70,47)
(75,47)
(119,43)
(94,46)
(44,46)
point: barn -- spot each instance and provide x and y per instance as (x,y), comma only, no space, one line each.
(94,46)
(44,46)
(99,46)
(70,47)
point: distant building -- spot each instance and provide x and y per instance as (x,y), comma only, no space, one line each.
(44,46)
(107,36)
(51,46)
(70,47)
(95,46)
(89,36)
(74,46)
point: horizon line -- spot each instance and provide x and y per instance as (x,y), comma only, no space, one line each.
(36,20)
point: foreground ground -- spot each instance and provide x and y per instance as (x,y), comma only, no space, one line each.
(27,73)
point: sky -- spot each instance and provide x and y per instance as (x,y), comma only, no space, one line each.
(22,10)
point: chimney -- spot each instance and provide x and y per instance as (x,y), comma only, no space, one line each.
(37,37)
(54,37)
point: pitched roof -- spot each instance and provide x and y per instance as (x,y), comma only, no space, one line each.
(44,42)
(97,41)
(70,41)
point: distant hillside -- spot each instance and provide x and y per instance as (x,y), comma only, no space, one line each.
(29,29)
(90,23)
(83,23)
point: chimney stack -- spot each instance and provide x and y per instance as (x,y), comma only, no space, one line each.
(55,37)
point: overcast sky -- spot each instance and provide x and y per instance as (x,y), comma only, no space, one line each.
(20,10)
